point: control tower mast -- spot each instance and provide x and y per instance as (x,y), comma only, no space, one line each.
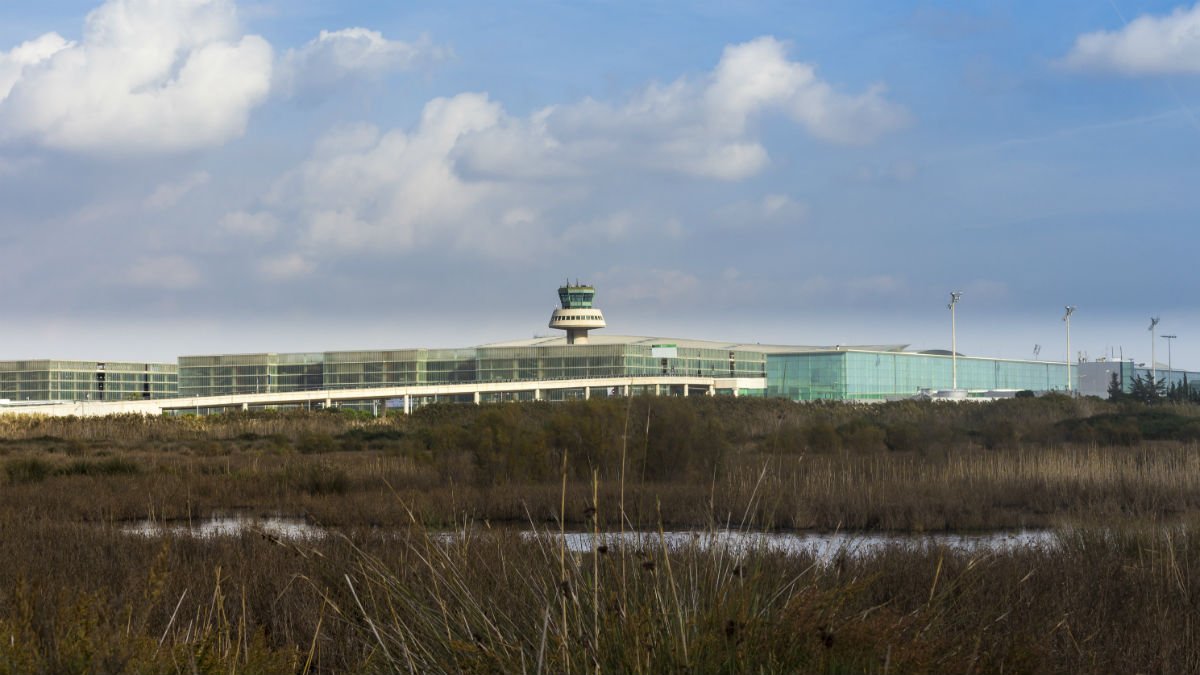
(576,316)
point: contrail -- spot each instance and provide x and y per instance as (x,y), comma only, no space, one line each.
(1191,115)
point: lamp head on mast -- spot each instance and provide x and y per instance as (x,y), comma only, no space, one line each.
(1070,311)
(1153,322)
(954,297)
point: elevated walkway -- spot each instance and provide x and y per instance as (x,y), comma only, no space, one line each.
(408,396)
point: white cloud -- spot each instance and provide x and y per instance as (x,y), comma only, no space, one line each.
(152,76)
(757,76)
(146,76)
(1148,45)
(701,129)
(471,176)
(171,272)
(15,61)
(401,191)
(335,58)
(169,194)
(261,225)
(285,267)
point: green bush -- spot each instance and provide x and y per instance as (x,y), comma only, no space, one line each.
(27,470)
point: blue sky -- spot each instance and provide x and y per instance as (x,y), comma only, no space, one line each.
(207,176)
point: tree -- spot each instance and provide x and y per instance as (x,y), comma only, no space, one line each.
(1115,392)
(1147,390)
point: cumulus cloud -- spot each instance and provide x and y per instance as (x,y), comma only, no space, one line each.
(397,190)
(472,176)
(145,76)
(169,194)
(1148,45)
(698,128)
(150,76)
(14,62)
(336,58)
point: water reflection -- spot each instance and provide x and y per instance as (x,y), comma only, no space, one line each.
(283,527)
(821,545)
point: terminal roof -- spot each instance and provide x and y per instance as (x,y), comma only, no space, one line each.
(605,339)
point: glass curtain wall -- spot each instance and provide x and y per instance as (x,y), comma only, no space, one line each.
(269,372)
(878,375)
(249,373)
(46,380)
(510,364)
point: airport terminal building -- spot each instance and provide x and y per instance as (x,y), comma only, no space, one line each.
(574,365)
(801,373)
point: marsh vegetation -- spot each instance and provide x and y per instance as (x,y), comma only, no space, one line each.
(1117,483)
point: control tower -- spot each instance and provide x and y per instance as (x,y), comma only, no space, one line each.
(576,316)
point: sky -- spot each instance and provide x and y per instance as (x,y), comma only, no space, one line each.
(211,176)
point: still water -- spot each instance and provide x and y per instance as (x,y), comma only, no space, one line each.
(822,545)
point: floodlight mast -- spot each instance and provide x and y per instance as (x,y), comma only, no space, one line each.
(1067,318)
(1153,362)
(1170,370)
(954,298)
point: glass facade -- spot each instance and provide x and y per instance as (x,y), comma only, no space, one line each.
(47,380)
(880,375)
(249,373)
(252,373)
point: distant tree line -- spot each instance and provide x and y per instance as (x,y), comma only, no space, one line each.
(1148,390)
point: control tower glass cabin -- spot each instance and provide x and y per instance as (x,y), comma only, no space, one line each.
(576,314)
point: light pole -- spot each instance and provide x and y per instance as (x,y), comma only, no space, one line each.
(1067,318)
(1153,362)
(954,297)
(1170,371)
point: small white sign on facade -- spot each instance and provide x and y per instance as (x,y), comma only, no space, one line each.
(664,351)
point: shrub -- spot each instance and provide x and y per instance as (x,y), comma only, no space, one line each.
(903,437)
(824,438)
(113,466)
(322,479)
(27,470)
(316,442)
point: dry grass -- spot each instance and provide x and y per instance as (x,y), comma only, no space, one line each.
(390,591)
(967,489)
(92,599)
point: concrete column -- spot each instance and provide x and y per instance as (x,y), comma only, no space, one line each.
(328,401)
(628,390)
(735,391)
(685,389)
(656,391)
(476,397)
(537,394)
(587,393)
(245,406)
(407,404)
